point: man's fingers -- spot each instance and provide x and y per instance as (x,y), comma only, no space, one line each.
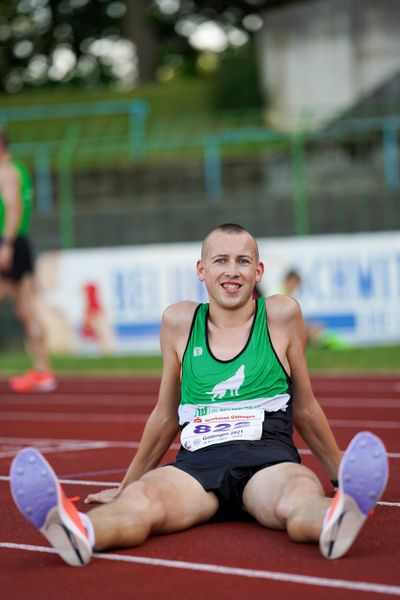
(102,497)
(89,498)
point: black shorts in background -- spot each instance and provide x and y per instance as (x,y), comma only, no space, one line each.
(22,263)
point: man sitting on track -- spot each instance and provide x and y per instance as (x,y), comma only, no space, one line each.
(234,380)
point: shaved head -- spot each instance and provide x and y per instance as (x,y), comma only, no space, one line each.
(230,228)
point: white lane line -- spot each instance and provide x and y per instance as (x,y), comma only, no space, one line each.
(364,423)
(360,402)
(357,385)
(64,447)
(150,400)
(361,586)
(133,399)
(13,440)
(142,418)
(86,483)
(308,451)
(111,484)
(74,417)
(54,446)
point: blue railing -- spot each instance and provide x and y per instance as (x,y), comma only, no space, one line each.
(137,143)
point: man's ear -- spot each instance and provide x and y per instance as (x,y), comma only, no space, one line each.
(200,270)
(259,272)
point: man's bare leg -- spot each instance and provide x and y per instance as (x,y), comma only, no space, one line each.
(24,297)
(5,288)
(288,496)
(165,500)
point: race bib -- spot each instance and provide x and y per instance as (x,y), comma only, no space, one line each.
(222,426)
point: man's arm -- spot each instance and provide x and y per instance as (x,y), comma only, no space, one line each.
(11,194)
(162,425)
(308,416)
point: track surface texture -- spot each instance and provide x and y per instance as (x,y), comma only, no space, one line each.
(89,429)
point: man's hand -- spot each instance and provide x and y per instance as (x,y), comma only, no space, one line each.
(103,497)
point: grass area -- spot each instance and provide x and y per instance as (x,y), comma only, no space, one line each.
(385,359)
(97,365)
(368,360)
(164,98)
(184,103)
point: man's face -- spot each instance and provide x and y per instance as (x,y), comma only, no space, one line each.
(230,268)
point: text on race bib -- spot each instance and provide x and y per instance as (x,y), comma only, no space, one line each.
(222,426)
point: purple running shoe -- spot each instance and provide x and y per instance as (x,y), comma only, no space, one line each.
(40,498)
(363,476)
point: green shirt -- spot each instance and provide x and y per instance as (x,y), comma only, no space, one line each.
(26,188)
(253,378)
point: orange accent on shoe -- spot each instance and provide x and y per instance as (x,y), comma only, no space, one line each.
(72,512)
(74,499)
(32,381)
(332,506)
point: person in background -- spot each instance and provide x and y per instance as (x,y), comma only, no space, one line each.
(291,283)
(16,268)
(317,334)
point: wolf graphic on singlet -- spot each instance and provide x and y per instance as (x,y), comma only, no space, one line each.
(232,385)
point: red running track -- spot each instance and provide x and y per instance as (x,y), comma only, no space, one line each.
(89,429)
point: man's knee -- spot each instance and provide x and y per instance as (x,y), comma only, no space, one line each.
(295,506)
(129,520)
(301,485)
(143,500)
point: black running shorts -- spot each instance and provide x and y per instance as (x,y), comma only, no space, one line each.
(225,468)
(22,263)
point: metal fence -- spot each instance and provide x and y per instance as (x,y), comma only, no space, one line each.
(104,176)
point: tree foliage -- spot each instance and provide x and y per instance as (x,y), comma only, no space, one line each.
(90,42)
(50,42)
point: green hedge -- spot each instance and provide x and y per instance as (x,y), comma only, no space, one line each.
(367,360)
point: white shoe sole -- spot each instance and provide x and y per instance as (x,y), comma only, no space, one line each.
(47,386)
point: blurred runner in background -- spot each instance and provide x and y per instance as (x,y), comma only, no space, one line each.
(16,267)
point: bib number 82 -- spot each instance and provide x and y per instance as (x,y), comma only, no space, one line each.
(219,427)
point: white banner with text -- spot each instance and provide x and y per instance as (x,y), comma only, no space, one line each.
(111,300)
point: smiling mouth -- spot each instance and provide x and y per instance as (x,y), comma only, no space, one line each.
(231,287)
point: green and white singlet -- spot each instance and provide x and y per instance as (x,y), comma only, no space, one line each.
(26,188)
(230,400)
